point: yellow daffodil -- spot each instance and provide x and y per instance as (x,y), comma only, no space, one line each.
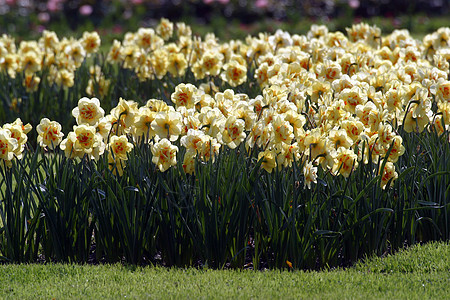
(88,111)
(185,95)
(67,145)
(310,174)
(387,174)
(167,125)
(119,147)
(164,154)
(8,146)
(189,162)
(165,29)
(268,160)
(177,64)
(91,42)
(282,130)
(49,133)
(17,131)
(233,133)
(345,161)
(87,141)
(234,73)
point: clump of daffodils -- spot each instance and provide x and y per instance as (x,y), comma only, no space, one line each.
(328,99)
(13,137)
(60,58)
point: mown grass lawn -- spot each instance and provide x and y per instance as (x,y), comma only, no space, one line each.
(421,272)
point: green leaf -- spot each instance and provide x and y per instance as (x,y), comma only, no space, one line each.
(366,188)
(327,233)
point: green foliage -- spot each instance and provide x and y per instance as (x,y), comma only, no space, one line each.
(62,191)
(20,218)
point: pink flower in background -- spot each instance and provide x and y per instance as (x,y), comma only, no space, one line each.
(353,3)
(86,10)
(220,1)
(43,17)
(54,5)
(262,3)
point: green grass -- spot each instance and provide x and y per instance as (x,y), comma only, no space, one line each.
(421,272)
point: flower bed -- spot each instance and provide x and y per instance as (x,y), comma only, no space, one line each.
(295,150)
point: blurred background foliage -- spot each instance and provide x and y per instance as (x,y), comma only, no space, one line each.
(26,19)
